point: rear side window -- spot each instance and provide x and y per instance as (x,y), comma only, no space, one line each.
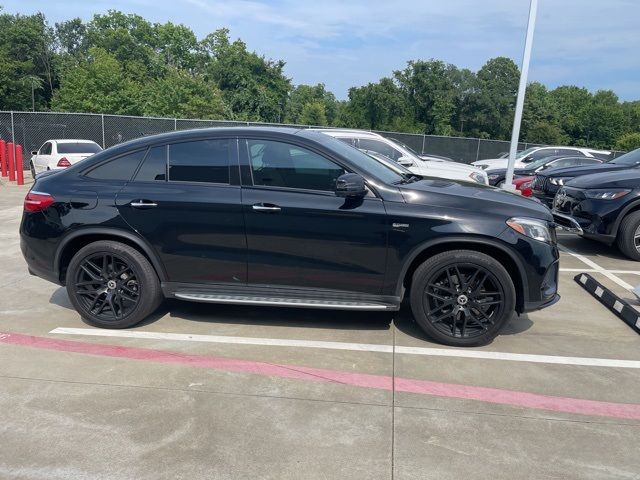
(569,151)
(200,161)
(154,167)
(120,168)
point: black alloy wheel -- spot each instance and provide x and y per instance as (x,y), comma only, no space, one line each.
(463,300)
(107,286)
(112,285)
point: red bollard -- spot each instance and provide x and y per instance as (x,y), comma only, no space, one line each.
(19,165)
(12,165)
(3,158)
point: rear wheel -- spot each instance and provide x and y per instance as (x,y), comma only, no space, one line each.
(462,298)
(628,238)
(112,285)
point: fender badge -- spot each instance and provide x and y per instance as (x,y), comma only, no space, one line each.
(400,225)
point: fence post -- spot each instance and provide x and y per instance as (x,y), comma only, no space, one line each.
(175,124)
(102,119)
(19,165)
(3,158)
(478,151)
(424,137)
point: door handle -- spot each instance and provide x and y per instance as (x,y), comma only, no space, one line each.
(143,204)
(268,207)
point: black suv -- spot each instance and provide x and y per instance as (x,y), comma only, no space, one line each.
(546,184)
(268,216)
(603,207)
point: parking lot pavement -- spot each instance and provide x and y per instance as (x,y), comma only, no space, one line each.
(207,391)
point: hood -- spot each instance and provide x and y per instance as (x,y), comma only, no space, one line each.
(583,170)
(475,197)
(629,178)
(452,170)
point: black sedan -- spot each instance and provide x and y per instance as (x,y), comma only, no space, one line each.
(497,176)
(547,184)
(604,207)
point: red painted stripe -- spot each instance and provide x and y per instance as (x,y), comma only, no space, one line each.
(380,382)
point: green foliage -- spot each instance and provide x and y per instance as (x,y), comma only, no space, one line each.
(124,64)
(628,142)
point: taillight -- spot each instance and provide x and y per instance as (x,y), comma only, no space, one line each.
(63,162)
(37,201)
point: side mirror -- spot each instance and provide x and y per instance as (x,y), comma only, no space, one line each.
(405,162)
(527,159)
(34,152)
(350,185)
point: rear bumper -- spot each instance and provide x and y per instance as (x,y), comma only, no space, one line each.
(533,306)
(38,266)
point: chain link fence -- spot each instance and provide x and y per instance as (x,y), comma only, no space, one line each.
(32,129)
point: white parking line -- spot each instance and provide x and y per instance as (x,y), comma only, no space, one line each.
(592,270)
(360,347)
(596,268)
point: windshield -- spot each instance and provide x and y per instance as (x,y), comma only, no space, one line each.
(406,147)
(526,152)
(78,147)
(367,163)
(388,162)
(631,158)
(538,163)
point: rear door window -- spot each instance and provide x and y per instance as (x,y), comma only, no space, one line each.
(120,168)
(154,167)
(203,161)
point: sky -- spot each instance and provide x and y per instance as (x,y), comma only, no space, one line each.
(345,43)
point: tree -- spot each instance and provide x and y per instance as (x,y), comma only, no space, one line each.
(430,88)
(313,113)
(255,88)
(306,95)
(493,102)
(98,85)
(179,94)
(628,142)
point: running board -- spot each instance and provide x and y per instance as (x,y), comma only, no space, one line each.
(283,301)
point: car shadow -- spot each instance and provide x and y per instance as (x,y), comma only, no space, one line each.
(292,317)
(253,315)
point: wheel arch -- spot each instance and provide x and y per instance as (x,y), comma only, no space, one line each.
(630,208)
(80,238)
(489,247)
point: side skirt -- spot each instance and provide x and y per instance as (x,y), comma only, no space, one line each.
(279,296)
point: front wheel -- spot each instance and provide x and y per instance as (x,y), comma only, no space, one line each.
(112,285)
(462,298)
(33,170)
(628,238)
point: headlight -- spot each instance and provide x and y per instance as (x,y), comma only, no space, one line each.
(606,194)
(559,180)
(526,185)
(477,177)
(494,176)
(532,228)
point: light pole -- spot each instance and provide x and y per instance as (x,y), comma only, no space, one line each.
(517,119)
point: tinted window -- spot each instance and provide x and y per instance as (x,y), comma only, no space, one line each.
(631,158)
(541,154)
(200,161)
(379,147)
(78,148)
(121,168)
(348,141)
(277,164)
(587,161)
(46,149)
(154,166)
(569,162)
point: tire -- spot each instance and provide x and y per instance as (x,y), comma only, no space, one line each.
(33,170)
(500,184)
(462,314)
(629,229)
(112,285)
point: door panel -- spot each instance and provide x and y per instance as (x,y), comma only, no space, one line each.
(298,237)
(197,229)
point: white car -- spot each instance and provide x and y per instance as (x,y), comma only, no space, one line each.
(536,153)
(59,154)
(406,157)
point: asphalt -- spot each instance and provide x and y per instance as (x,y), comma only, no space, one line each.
(73,406)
